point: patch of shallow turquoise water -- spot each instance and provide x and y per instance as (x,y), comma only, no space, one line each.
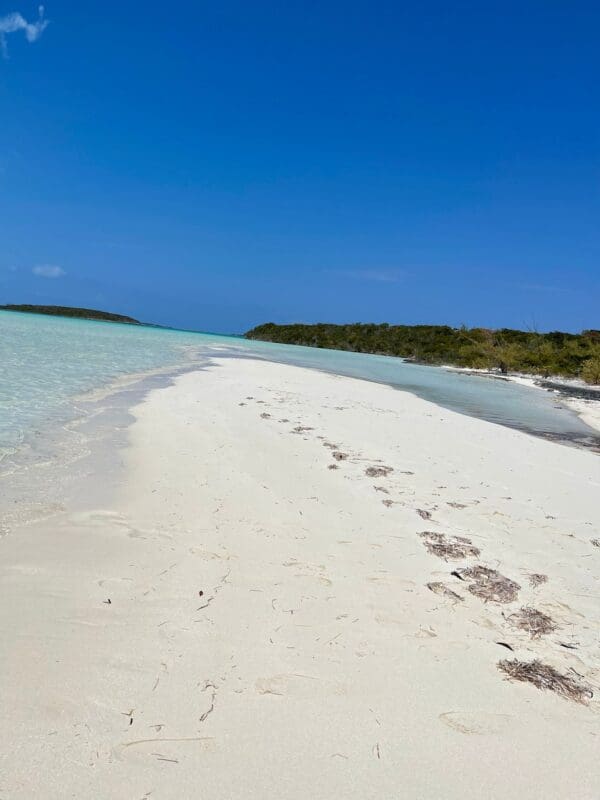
(45,362)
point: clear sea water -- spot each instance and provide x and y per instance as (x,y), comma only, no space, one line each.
(46,362)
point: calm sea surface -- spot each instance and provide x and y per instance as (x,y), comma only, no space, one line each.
(46,362)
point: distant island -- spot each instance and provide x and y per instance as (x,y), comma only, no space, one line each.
(68,311)
(568,355)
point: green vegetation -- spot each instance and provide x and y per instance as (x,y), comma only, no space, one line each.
(590,372)
(565,354)
(67,311)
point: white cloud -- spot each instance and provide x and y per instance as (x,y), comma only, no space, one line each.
(48,271)
(12,23)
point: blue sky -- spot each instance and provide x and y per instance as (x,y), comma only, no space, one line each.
(213,166)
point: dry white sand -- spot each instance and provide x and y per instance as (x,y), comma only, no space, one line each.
(588,410)
(270,632)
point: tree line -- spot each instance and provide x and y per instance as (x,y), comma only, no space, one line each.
(547,354)
(69,311)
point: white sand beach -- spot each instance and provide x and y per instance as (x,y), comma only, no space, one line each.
(248,614)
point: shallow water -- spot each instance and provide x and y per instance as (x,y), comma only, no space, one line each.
(46,362)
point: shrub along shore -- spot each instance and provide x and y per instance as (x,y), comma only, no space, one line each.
(569,355)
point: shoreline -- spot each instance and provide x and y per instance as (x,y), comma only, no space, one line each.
(271,602)
(114,400)
(588,408)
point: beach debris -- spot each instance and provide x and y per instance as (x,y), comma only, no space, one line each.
(507,645)
(533,621)
(213,696)
(439,588)
(569,646)
(378,472)
(264,415)
(489,584)
(107,602)
(544,677)
(455,573)
(201,593)
(128,714)
(339,456)
(595,542)
(302,429)
(454,547)
(536,579)
(406,472)
(333,466)
(387,502)
(423,514)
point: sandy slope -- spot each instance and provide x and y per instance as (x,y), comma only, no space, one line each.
(270,632)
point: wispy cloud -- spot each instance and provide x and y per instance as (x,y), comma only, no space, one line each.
(12,23)
(48,271)
(373,275)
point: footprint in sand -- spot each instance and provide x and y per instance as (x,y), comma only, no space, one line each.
(306,570)
(108,521)
(297,685)
(163,748)
(476,723)
(208,555)
(114,583)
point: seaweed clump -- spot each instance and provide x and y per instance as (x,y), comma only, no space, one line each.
(544,677)
(378,472)
(533,621)
(488,584)
(536,579)
(454,548)
(339,456)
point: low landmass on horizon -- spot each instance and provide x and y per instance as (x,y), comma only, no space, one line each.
(568,355)
(554,354)
(69,311)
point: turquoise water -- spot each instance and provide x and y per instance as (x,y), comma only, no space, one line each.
(45,362)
